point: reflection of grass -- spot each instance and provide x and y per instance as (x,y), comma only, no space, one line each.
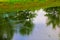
(10,6)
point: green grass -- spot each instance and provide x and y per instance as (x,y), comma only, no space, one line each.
(32,5)
(21,0)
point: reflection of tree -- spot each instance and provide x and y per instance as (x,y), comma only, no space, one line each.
(27,27)
(5,28)
(24,17)
(53,15)
(7,21)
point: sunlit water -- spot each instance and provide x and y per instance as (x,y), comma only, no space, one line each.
(41,31)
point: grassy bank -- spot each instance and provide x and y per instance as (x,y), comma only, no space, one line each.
(32,5)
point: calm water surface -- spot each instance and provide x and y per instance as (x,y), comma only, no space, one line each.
(40,31)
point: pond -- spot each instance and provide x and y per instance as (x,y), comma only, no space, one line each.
(40,31)
(37,30)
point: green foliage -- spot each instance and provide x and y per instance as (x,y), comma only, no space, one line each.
(53,14)
(9,19)
(27,28)
(5,28)
(25,17)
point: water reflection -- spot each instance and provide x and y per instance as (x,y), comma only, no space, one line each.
(41,31)
(10,19)
(23,25)
(6,30)
(53,14)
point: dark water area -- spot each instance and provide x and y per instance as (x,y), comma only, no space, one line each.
(28,25)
